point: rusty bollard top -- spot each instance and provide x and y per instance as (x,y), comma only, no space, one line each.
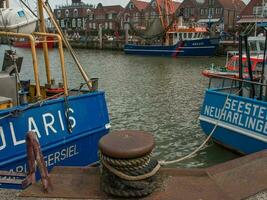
(127,144)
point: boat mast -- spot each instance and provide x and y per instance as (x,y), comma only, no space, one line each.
(45,48)
(165,10)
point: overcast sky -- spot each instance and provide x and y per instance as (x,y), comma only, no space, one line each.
(95,2)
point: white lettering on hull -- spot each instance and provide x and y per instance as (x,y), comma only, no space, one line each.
(3,139)
(49,126)
(240,113)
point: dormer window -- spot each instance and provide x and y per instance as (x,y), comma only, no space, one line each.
(59,13)
(75,13)
(131,6)
(67,12)
(154,4)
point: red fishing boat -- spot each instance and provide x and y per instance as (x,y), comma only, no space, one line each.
(232,66)
(24,43)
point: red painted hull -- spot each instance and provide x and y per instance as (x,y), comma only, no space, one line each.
(26,44)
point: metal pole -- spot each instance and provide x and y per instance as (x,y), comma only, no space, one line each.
(100,36)
(249,64)
(240,65)
(7,3)
(263,65)
(73,54)
(61,56)
(34,57)
(45,48)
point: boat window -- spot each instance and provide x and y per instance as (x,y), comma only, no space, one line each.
(180,36)
(258,67)
(176,35)
(253,46)
(189,35)
(261,46)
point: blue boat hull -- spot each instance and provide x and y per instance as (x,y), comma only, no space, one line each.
(88,118)
(243,123)
(201,47)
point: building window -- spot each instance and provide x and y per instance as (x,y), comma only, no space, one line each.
(191,11)
(106,25)
(67,12)
(110,25)
(62,23)
(75,13)
(79,22)
(154,4)
(90,25)
(88,11)
(91,16)
(73,23)
(201,11)
(59,13)
(206,11)
(131,6)
(94,26)
(110,16)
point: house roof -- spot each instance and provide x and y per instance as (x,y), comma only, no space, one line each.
(248,10)
(140,5)
(108,9)
(176,5)
(233,4)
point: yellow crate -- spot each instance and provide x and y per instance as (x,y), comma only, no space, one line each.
(5,103)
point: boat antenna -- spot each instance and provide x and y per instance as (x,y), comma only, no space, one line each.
(240,64)
(263,63)
(249,65)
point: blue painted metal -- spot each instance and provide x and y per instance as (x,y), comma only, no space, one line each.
(200,47)
(243,124)
(88,116)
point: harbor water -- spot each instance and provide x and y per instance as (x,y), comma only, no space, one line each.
(155,94)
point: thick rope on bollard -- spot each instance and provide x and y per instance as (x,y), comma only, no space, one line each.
(128,177)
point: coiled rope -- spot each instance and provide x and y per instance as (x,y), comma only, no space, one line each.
(129,177)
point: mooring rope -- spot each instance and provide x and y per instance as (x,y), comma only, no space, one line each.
(128,177)
(163,162)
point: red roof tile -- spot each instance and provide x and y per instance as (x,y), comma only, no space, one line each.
(233,4)
(248,10)
(140,5)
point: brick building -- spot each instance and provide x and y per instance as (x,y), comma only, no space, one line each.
(255,11)
(73,17)
(106,16)
(222,14)
(152,11)
(134,13)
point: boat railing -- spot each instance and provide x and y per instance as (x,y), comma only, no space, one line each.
(244,87)
(32,40)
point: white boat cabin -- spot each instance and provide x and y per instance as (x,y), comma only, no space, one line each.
(185,34)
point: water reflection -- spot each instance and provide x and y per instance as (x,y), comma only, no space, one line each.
(159,95)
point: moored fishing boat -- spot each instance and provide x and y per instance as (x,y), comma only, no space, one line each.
(68,124)
(23,43)
(183,41)
(232,65)
(235,115)
(177,39)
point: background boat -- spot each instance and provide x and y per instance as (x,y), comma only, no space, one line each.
(234,114)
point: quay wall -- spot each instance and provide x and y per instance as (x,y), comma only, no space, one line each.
(119,44)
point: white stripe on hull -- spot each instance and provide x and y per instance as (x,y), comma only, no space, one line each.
(237,129)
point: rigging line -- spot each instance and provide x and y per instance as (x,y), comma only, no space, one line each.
(28,7)
(24,11)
